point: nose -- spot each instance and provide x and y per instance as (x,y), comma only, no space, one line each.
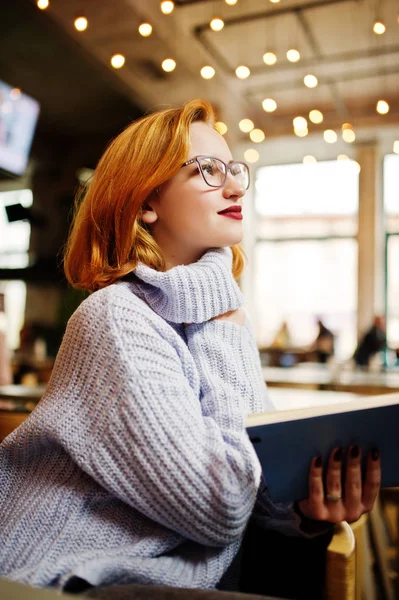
(232,187)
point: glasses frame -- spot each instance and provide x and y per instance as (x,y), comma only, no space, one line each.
(228,168)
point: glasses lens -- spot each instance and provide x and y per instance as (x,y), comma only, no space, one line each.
(241,172)
(214,171)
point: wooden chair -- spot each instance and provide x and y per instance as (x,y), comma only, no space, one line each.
(348,563)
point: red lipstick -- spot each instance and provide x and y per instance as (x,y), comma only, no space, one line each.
(233,212)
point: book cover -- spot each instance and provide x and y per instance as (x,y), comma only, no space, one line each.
(286,441)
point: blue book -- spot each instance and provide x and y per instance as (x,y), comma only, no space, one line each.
(286,441)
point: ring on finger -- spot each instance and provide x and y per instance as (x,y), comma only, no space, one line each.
(333,497)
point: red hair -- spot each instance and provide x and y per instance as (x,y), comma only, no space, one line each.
(107,238)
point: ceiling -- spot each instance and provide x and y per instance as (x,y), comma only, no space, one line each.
(354,66)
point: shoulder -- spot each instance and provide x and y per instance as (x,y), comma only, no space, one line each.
(113,306)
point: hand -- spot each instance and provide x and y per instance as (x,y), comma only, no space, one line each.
(334,504)
(234,316)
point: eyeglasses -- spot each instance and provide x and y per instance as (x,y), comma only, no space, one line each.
(214,171)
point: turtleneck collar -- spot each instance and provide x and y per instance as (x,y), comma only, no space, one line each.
(190,293)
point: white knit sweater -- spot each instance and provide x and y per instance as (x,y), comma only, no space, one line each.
(136,466)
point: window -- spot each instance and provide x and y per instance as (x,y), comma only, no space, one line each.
(391,207)
(14,253)
(306,251)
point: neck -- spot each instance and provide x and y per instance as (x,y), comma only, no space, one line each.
(175,254)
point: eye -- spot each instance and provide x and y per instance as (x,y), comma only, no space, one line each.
(210,167)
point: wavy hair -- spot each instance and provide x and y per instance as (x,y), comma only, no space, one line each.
(107,238)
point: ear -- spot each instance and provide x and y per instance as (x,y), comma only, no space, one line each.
(148,215)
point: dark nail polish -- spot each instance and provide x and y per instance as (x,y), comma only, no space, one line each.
(338,455)
(354,453)
(375,455)
(318,462)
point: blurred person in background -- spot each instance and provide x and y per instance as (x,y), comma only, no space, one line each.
(373,341)
(323,346)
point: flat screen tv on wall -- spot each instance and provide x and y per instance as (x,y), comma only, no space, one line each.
(18,118)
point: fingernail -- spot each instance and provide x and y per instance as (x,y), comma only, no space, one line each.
(354,453)
(375,455)
(338,455)
(318,462)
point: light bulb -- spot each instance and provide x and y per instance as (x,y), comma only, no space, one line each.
(145,29)
(300,123)
(310,81)
(242,72)
(269,105)
(301,132)
(293,55)
(343,157)
(269,58)
(274,1)
(330,136)
(349,136)
(221,127)
(396,147)
(379,27)
(356,166)
(207,72)
(257,135)
(308,159)
(168,65)
(251,155)
(246,125)
(167,7)
(42,4)
(346,126)
(216,24)
(81,23)
(382,107)
(316,116)
(231,2)
(117,61)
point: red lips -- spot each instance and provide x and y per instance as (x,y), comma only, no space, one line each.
(235,208)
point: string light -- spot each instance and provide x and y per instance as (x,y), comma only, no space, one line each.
(310,81)
(382,107)
(216,24)
(330,136)
(246,125)
(257,135)
(356,166)
(316,116)
(308,159)
(81,23)
(300,123)
(42,4)
(348,135)
(145,29)
(251,155)
(396,147)
(168,65)
(242,72)
(269,58)
(293,55)
(167,7)
(117,61)
(379,27)
(231,2)
(269,105)
(274,1)
(221,127)
(343,157)
(301,132)
(207,72)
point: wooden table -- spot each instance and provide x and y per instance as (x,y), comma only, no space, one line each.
(16,402)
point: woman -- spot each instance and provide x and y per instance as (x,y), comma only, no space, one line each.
(135,466)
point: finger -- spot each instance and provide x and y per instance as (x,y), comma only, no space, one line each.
(372,481)
(353,485)
(316,489)
(333,478)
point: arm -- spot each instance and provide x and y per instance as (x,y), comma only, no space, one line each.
(181,459)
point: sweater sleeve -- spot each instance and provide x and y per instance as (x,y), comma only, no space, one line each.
(178,456)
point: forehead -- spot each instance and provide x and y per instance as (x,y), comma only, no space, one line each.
(206,140)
